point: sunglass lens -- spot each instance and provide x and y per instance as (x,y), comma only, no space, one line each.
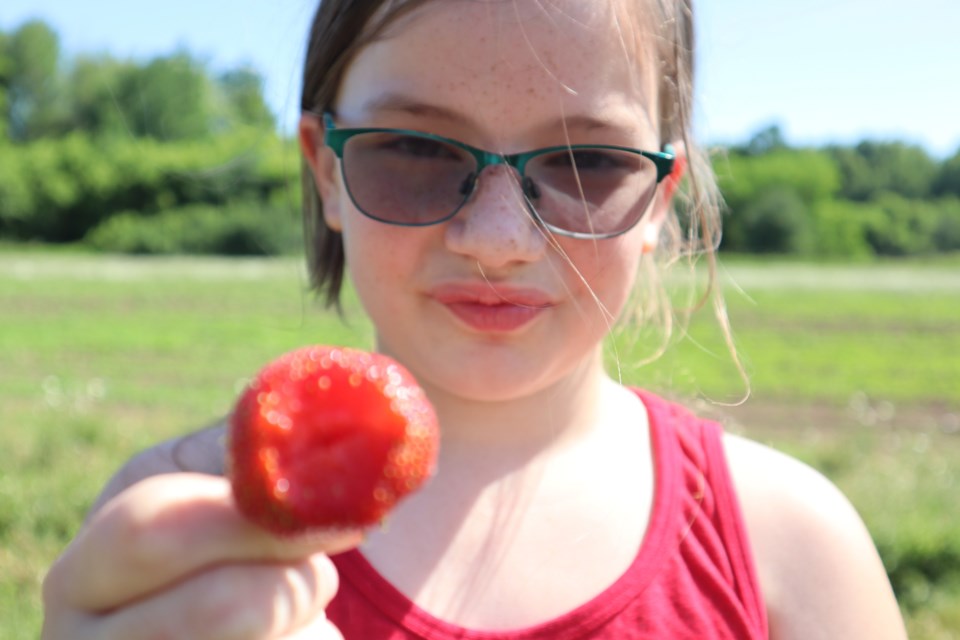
(595,191)
(404,178)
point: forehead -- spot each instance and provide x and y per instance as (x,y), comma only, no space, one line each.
(511,63)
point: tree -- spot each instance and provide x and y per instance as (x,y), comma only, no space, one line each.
(94,86)
(765,141)
(171,98)
(6,74)
(872,168)
(32,94)
(242,90)
(811,174)
(948,179)
(776,220)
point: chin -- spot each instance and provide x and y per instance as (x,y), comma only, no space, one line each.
(494,393)
(502,384)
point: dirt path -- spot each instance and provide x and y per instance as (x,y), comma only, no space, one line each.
(769,417)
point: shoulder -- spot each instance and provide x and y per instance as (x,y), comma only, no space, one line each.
(819,570)
(200,452)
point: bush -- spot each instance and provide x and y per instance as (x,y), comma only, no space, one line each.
(840,229)
(811,175)
(776,220)
(58,190)
(902,227)
(876,167)
(236,229)
(947,234)
(948,179)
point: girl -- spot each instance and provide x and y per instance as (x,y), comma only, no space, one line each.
(494,173)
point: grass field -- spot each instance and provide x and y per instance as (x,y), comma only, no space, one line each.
(853,369)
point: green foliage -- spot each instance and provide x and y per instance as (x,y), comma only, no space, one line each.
(99,136)
(93,137)
(873,168)
(840,229)
(6,76)
(764,141)
(770,197)
(237,229)
(98,87)
(947,234)
(775,220)
(32,58)
(877,198)
(172,97)
(168,99)
(948,179)
(57,190)
(242,90)
(902,227)
(811,174)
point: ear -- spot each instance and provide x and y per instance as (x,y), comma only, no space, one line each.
(661,207)
(323,166)
(672,181)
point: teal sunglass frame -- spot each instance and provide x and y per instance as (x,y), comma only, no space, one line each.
(336,139)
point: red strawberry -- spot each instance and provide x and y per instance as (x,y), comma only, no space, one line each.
(329,438)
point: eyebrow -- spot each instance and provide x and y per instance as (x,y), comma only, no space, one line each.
(400,103)
(397,102)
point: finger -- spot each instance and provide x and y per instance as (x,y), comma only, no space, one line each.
(236,601)
(160,530)
(62,624)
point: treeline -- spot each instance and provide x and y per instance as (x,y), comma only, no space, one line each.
(168,98)
(166,156)
(156,156)
(883,198)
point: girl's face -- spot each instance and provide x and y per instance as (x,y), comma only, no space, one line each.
(487,306)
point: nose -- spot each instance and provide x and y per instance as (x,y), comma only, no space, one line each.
(494,227)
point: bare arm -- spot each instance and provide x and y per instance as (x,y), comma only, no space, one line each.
(820,572)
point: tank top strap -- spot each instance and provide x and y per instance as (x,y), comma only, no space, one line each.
(715,535)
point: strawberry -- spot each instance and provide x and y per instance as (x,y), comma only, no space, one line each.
(329,438)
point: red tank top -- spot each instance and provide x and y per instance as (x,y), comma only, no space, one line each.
(692,578)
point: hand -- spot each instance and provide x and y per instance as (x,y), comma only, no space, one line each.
(171,557)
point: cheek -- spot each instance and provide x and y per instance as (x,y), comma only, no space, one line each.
(383,262)
(606,269)
(605,263)
(372,258)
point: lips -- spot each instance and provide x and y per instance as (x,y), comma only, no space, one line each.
(492,308)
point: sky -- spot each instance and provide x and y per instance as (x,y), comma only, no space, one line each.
(823,70)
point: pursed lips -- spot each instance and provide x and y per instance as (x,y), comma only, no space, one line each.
(489,307)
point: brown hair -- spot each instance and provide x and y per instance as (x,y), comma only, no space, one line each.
(341,28)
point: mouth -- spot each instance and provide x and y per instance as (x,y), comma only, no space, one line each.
(489,308)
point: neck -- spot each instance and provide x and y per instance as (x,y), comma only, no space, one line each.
(486,443)
(548,417)
(509,472)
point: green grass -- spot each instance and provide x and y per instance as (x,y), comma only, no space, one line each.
(853,369)
(828,346)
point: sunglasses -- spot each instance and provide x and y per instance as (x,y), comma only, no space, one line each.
(411,178)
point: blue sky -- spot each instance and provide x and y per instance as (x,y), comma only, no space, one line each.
(823,70)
